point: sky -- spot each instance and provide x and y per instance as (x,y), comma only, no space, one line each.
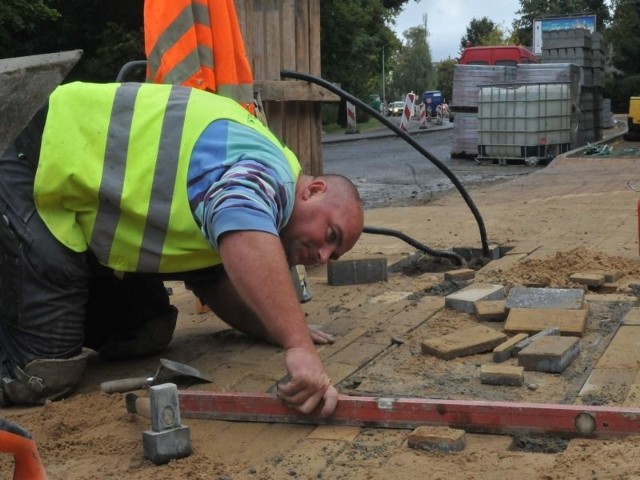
(447,20)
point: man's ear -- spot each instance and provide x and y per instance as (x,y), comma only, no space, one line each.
(314,188)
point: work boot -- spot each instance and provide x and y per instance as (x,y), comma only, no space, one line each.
(150,338)
(43,379)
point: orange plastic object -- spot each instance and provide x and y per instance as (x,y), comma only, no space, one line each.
(18,442)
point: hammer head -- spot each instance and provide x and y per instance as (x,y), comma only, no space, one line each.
(168,439)
(161,447)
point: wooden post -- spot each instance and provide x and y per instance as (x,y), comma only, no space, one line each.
(285,34)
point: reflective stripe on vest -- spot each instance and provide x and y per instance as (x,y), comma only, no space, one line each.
(198,43)
(194,53)
(113,170)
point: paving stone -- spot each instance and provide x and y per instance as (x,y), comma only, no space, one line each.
(607,386)
(632,317)
(353,272)
(495,252)
(461,274)
(623,350)
(463,300)
(530,320)
(549,354)
(611,298)
(339,433)
(589,279)
(505,350)
(443,439)
(608,288)
(556,298)
(490,310)
(612,276)
(468,341)
(501,375)
(527,341)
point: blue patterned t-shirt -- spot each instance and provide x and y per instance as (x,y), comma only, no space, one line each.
(238,180)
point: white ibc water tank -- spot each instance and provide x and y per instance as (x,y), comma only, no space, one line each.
(521,121)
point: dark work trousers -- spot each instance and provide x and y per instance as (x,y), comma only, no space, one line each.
(43,284)
(54,301)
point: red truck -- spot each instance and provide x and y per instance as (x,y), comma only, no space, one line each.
(505,55)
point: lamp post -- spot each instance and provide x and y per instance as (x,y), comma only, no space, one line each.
(384,100)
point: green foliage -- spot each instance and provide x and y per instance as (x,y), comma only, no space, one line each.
(621,88)
(20,20)
(109,33)
(445,78)
(354,34)
(482,32)
(413,69)
(626,19)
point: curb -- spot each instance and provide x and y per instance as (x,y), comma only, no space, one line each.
(379,133)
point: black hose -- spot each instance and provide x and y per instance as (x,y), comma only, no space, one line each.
(443,168)
(414,243)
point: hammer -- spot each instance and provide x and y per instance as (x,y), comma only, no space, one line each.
(167,439)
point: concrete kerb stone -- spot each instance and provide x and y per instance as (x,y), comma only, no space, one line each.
(380,133)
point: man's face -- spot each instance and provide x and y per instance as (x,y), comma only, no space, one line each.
(320,229)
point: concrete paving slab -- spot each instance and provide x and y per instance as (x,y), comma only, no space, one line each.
(463,300)
(632,317)
(592,280)
(490,310)
(558,298)
(607,386)
(510,375)
(506,350)
(549,354)
(468,341)
(623,351)
(531,321)
(354,272)
(443,439)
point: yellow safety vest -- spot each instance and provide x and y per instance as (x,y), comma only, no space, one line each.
(112,174)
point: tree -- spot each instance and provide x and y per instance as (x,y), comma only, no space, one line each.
(109,33)
(354,34)
(413,70)
(481,32)
(626,19)
(20,20)
(444,71)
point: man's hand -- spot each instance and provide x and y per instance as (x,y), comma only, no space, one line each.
(319,337)
(309,384)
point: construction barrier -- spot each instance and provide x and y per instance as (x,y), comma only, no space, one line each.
(439,115)
(407,113)
(351,118)
(422,112)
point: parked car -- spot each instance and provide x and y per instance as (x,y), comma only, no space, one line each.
(396,108)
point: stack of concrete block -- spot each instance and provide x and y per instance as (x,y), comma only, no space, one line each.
(586,50)
(467,81)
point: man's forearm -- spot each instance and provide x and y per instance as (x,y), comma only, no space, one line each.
(258,270)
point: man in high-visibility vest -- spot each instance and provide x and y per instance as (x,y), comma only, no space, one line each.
(121,186)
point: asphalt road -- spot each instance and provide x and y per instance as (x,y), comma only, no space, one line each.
(388,171)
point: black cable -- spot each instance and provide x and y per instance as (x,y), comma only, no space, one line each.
(414,243)
(443,168)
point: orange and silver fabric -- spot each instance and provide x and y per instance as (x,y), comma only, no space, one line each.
(198,43)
